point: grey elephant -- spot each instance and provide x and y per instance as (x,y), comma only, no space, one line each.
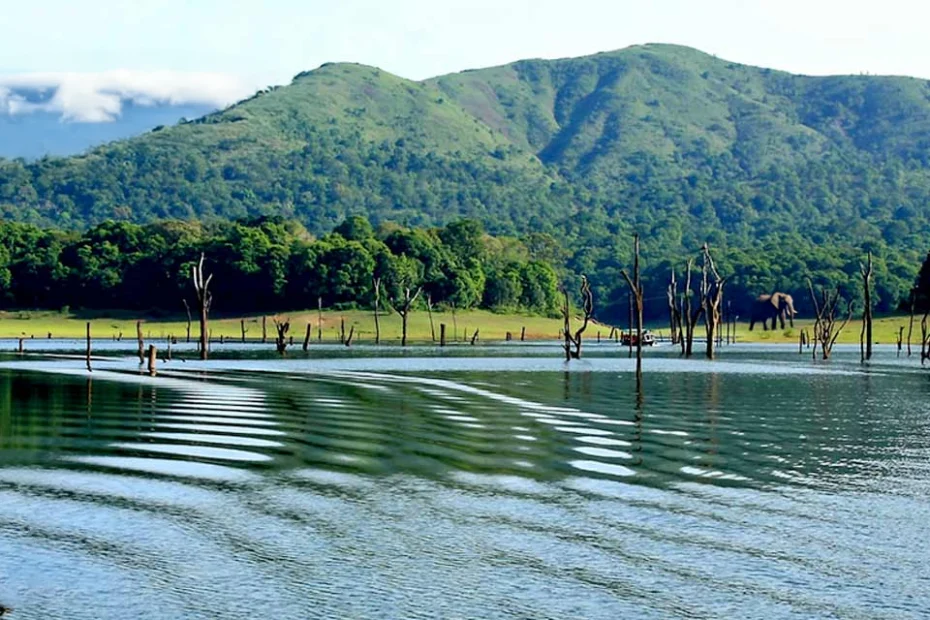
(776,307)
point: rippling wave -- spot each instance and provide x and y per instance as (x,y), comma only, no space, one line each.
(351,491)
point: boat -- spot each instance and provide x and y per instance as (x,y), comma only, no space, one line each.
(628,339)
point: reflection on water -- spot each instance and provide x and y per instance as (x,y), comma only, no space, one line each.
(461,486)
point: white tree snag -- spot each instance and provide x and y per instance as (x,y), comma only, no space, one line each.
(204,301)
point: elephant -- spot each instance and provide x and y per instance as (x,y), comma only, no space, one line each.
(775,306)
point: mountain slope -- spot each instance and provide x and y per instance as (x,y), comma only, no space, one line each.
(664,140)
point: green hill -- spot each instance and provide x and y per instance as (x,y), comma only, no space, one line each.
(785,174)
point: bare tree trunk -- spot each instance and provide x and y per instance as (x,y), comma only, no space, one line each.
(342,330)
(376,282)
(204,299)
(711,298)
(442,334)
(522,334)
(474,337)
(866,272)
(141,343)
(429,310)
(825,328)
(307,337)
(566,329)
(403,309)
(319,321)
(636,289)
(242,329)
(348,341)
(152,358)
(910,327)
(188,309)
(281,328)
(455,325)
(629,325)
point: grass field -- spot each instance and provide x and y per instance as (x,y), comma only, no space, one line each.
(492,326)
(38,324)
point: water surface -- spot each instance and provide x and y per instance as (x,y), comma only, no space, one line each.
(485,482)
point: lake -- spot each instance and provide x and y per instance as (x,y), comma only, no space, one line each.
(474,482)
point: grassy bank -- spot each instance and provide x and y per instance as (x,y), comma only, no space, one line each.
(492,326)
(884,331)
(39,324)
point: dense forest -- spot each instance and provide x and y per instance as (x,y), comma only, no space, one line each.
(785,176)
(270,264)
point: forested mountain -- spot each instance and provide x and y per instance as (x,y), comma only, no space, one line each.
(786,175)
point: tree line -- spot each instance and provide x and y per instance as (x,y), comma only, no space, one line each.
(270,264)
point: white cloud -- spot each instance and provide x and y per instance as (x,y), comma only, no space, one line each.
(99,97)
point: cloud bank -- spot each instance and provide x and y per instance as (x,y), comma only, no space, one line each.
(100,97)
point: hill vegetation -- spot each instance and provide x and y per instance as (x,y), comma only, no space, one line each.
(784,175)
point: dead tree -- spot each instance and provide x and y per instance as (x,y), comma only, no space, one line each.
(690,310)
(141,343)
(865,334)
(429,310)
(402,307)
(572,344)
(319,321)
(924,339)
(242,329)
(711,298)
(826,330)
(910,326)
(307,337)
(674,311)
(281,327)
(204,301)
(188,309)
(636,290)
(376,283)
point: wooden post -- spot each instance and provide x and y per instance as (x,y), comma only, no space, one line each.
(22,347)
(153,356)
(264,329)
(900,339)
(523,334)
(242,329)
(319,317)
(442,334)
(508,337)
(599,336)
(307,337)
(89,369)
(140,342)
(342,330)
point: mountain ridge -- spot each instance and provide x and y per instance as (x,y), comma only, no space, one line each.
(664,140)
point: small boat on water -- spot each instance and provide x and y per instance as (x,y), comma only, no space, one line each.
(628,339)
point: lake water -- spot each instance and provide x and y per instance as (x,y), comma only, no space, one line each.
(477,482)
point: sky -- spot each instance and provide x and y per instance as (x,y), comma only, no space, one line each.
(231,47)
